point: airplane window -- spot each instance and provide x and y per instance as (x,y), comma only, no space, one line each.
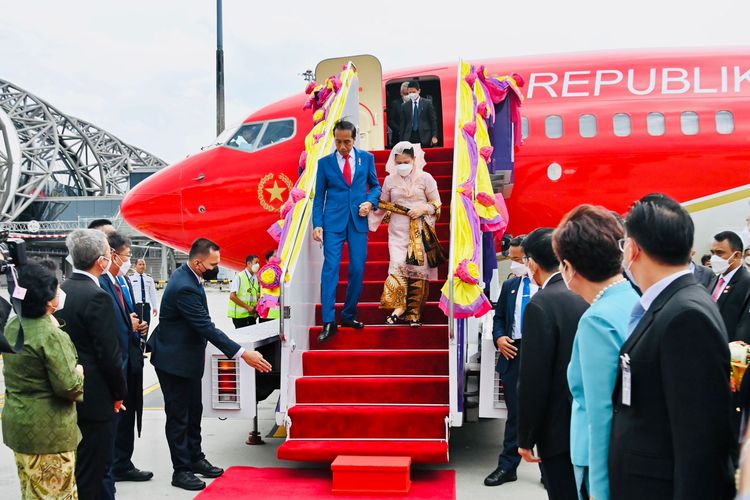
(724,122)
(276,132)
(655,124)
(553,125)
(246,137)
(524,127)
(587,125)
(689,123)
(621,124)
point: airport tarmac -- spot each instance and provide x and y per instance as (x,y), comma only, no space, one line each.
(473,447)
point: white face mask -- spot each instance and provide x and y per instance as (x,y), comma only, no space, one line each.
(254,268)
(109,264)
(124,267)
(519,269)
(719,265)
(414,96)
(405,97)
(404,169)
(60,299)
(747,260)
(566,280)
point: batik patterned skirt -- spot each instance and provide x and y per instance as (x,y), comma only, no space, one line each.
(410,294)
(49,476)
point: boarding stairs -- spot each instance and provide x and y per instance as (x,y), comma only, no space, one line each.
(384,390)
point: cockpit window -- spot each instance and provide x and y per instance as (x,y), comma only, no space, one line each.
(254,136)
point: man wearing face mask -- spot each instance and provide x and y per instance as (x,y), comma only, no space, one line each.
(731,288)
(507,331)
(89,319)
(144,291)
(672,426)
(544,400)
(394,114)
(244,293)
(178,350)
(130,333)
(418,119)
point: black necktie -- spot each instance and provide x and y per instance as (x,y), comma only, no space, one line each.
(415,116)
(143,291)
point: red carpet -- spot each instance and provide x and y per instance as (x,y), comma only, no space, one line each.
(314,484)
(382,390)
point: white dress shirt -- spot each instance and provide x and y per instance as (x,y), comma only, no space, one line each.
(352,161)
(650,295)
(727,278)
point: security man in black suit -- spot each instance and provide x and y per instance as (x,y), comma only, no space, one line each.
(89,319)
(731,288)
(394,115)
(515,295)
(671,430)
(418,119)
(178,349)
(544,400)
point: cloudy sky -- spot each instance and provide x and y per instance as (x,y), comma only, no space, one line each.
(144,70)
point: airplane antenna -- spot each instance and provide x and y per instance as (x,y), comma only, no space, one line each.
(219,71)
(308,75)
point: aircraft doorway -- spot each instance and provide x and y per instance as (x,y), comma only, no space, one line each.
(430,86)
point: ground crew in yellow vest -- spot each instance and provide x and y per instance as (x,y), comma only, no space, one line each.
(244,294)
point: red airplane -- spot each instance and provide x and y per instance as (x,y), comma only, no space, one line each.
(601,128)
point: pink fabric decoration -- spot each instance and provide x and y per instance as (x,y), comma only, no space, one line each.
(520,81)
(467,190)
(486,199)
(310,87)
(486,153)
(275,231)
(470,128)
(303,160)
(468,272)
(471,78)
(482,110)
(297,194)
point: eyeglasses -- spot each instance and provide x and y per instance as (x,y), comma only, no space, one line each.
(105,257)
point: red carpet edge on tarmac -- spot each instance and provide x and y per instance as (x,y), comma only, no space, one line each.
(313,484)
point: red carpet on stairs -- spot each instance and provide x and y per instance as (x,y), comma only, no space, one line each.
(314,484)
(382,390)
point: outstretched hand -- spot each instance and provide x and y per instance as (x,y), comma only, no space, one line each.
(256,360)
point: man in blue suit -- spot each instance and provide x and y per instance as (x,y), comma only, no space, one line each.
(178,349)
(347,188)
(515,294)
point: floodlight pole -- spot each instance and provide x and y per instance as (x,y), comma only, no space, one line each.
(219,71)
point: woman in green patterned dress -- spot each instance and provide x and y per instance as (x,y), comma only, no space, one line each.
(42,384)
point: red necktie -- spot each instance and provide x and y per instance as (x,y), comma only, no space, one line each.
(718,289)
(347,170)
(119,293)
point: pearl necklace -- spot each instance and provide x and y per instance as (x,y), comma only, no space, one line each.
(601,292)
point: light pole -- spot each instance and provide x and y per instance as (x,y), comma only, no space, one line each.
(219,71)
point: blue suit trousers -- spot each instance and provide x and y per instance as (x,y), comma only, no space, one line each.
(333,247)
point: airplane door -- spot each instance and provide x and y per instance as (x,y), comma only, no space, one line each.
(370,73)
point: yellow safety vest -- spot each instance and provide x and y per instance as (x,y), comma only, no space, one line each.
(248,292)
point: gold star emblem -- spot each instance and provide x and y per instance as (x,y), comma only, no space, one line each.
(276,192)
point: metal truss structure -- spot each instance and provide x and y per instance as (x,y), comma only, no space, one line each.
(45,153)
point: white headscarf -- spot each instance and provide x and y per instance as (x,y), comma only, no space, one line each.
(406,183)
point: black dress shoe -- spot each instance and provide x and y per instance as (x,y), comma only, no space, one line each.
(132,475)
(328,330)
(352,323)
(205,469)
(187,481)
(500,476)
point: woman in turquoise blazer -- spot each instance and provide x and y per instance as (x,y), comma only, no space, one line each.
(587,243)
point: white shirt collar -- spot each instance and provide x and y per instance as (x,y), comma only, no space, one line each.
(650,295)
(351,155)
(728,277)
(544,285)
(111,277)
(93,278)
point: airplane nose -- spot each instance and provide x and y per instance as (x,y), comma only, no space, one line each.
(154,207)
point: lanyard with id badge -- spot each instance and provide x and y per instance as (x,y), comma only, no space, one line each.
(627,379)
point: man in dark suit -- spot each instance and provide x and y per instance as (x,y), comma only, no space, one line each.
(347,188)
(90,321)
(129,333)
(703,276)
(731,288)
(549,327)
(671,431)
(394,115)
(418,119)
(178,349)
(515,295)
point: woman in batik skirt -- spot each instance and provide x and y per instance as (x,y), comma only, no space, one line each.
(410,204)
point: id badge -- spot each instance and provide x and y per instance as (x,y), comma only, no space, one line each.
(627,381)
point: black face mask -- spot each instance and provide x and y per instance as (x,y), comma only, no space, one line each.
(210,274)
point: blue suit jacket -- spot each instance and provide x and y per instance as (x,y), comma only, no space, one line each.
(505,313)
(178,344)
(592,374)
(335,201)
(125,334)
